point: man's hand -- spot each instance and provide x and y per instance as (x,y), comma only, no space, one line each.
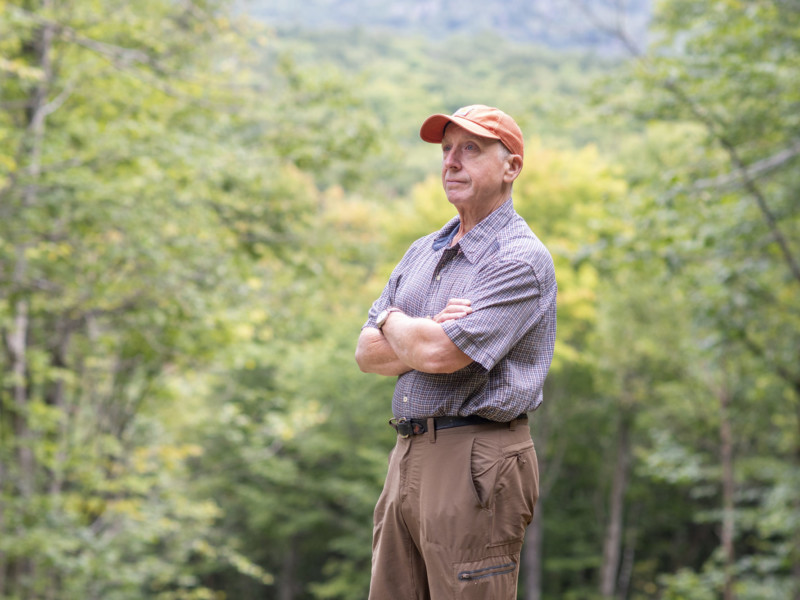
(414,344)
(422,344)
(456,308)
(375,355)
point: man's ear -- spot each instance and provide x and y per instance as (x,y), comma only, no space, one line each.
(513,167)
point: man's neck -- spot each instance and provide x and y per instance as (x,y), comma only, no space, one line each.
(468,220)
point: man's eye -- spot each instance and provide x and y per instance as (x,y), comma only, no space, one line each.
(469,147)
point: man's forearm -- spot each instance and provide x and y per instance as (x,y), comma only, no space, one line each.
(407,343)
(423,345)
(374,354)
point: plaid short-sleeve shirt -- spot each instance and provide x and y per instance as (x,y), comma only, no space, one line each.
(507,273)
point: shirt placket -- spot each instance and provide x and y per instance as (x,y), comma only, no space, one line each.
(440,282)
(425,400)
(406,392)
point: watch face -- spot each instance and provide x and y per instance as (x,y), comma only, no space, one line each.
(381,318)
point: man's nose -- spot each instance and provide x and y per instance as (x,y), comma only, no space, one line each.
(451,159)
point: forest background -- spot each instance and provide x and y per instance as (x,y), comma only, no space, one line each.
(199,201)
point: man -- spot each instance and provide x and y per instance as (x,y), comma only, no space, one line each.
(467,323)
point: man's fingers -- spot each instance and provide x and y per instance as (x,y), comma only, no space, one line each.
(456,308)
(458,302)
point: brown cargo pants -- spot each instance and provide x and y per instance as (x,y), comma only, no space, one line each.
(452,516)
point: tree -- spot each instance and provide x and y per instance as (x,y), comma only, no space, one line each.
(561,193)
(139,221)
(720,215)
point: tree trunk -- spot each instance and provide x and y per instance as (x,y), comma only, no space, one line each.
(16,575)
(613,540)
(532,564)
(288,585)
(796,572)
(728,490)
(532,555)
(626,568)
(16,342)
(3,560)
(17,338)
(795,555)
(22,569)
(57,398)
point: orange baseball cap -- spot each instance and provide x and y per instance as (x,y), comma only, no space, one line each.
(479,119)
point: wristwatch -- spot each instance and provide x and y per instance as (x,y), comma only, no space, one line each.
(384,314)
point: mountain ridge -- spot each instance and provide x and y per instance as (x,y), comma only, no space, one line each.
(560,24)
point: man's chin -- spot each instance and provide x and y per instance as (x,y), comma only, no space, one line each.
(455,198)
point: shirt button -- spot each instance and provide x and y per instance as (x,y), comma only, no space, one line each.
(438,277)
(405,398)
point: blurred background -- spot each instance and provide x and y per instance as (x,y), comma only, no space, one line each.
(200,199)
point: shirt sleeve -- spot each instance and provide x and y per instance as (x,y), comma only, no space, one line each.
(506,302)
(383,302)
(387,297)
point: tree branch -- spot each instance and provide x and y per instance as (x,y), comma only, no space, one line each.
(617,30)
(713,125)
(741,170)
(59,100)
(120,57)
(733,179)
(127,55)
(753,171)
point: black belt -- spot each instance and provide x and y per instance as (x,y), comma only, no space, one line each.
(406,427)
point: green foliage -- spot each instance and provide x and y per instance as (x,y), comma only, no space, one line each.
(196,212)
(140,226)
(715,227)
(403,79)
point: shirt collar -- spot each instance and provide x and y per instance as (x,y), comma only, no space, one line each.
(477,239)
(446,234)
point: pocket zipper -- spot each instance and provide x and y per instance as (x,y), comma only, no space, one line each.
(487,572)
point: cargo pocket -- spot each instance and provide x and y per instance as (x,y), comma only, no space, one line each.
(484,462)
(492,578)
(516,492)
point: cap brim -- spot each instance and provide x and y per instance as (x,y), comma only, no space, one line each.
(432,129)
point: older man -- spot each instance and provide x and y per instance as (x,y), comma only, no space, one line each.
(467,323)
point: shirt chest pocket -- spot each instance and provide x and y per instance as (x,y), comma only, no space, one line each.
(424,291)
(409,293)
(448,284)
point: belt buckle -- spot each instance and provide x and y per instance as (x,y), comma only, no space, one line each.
(403,426)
